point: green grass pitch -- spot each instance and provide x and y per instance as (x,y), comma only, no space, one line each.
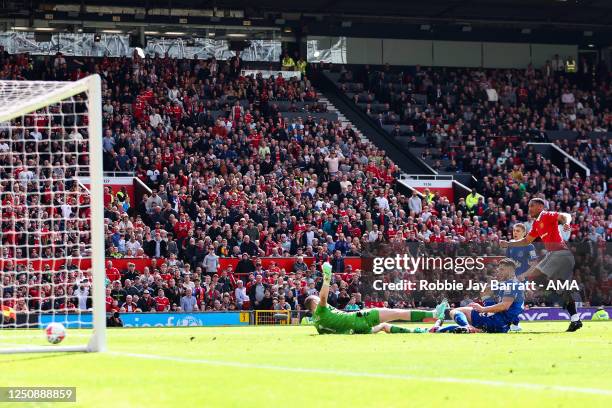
(268,366)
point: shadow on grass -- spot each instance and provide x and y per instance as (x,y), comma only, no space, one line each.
(38,357)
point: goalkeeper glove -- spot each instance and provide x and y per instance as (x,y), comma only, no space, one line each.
(327,272)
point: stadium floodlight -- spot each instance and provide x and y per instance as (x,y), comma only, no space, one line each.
(51,174)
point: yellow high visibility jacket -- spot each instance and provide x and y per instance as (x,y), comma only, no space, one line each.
(301,66)
(288,63)
(471,200)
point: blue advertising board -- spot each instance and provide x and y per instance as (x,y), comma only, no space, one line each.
(185,319)
(84,320)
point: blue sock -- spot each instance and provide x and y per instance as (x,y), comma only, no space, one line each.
(460,319)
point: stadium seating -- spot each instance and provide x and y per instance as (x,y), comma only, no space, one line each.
(445,108)
(280,176)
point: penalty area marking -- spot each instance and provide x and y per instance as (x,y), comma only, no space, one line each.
(452,380)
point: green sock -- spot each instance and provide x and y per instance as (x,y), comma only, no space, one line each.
(398,329)
(419,315)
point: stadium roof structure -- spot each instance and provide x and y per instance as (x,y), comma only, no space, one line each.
(442,19)
(559,12)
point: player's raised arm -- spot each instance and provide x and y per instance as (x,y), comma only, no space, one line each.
(327,273)
(528,239)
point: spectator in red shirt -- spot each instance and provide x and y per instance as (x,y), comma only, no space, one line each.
(112,273)
(109,300)
(162,303)
(181,228)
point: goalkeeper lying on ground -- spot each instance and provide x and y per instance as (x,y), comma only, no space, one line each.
(329,320)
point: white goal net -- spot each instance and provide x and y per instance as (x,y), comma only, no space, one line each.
(52,242)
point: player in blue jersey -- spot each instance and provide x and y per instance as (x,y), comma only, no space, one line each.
(524,256)
(497,317)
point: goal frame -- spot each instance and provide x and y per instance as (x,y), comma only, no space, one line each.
(92,86)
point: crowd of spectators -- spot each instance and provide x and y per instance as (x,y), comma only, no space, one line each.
(458,115)
(479,121)
(245,182)
(452,103)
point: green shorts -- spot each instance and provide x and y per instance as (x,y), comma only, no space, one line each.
(365,320)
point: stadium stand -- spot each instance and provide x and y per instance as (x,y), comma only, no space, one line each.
(480,122)
(438,111)
(254,167)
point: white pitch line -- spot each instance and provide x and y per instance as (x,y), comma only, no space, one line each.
(11,345)
(473,381)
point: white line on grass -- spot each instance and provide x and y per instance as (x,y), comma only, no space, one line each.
(11,345)
(474,381)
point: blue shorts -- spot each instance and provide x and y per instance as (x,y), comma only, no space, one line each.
(489,323)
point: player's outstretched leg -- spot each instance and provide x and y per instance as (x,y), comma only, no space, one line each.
(559,266)
(455,329)
(393,329)
(442,312)
(388,315)
(462,316)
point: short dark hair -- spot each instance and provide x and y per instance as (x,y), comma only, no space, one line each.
(537,201)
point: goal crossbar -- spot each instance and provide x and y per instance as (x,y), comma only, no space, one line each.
(64,91)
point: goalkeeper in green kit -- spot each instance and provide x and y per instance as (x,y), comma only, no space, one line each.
(329,320)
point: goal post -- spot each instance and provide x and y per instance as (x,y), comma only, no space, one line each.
(52,248)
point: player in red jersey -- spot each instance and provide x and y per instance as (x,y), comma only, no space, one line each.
(558,264)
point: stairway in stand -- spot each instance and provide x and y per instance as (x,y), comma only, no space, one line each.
(343,120)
